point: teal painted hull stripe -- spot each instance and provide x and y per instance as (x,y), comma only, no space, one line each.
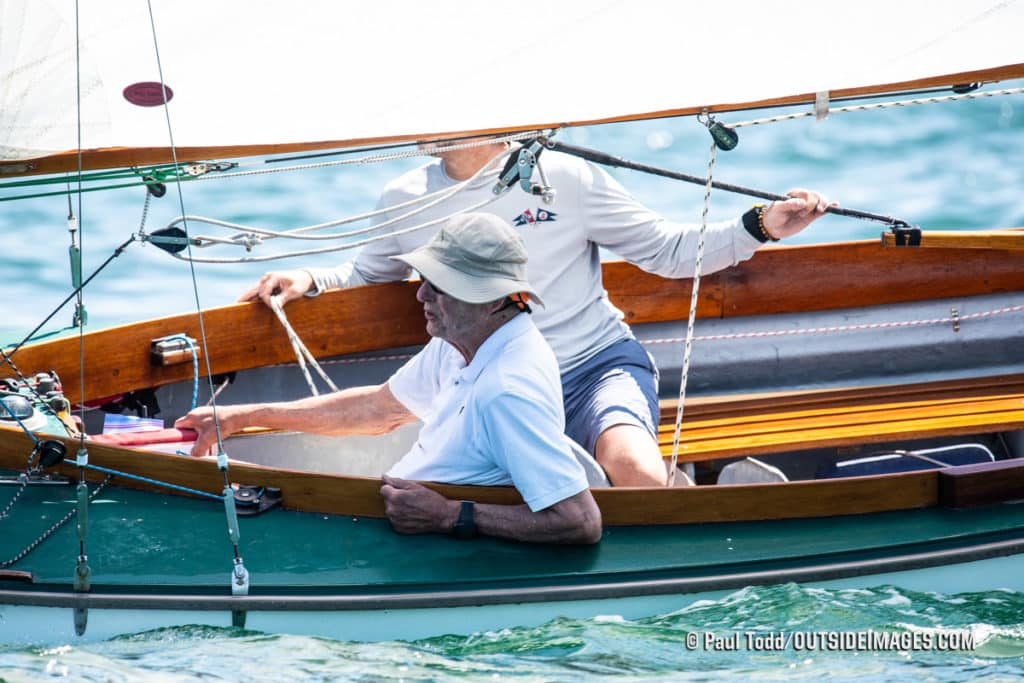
(434,599)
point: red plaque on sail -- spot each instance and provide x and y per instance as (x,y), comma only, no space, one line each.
(148,94)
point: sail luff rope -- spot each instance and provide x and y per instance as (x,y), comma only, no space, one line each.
(879,105)
(694,292)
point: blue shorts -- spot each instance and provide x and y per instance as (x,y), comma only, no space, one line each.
(616,386)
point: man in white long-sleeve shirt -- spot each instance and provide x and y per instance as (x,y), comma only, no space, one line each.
(609,381)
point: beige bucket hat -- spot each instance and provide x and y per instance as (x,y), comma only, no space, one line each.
(476,258)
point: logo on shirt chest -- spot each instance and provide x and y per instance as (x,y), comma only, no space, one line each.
(529,217)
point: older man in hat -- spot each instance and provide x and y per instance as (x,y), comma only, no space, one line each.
(486,387)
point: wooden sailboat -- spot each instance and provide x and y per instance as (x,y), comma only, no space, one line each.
(945,387)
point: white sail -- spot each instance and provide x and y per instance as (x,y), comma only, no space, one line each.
(248,72)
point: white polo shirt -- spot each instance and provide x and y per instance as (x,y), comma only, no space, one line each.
(497,421)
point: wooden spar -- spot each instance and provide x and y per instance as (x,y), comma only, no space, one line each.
(953,239)
(242,336)
(128,157)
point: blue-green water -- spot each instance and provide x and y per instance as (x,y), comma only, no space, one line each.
(981,636)
(955,165)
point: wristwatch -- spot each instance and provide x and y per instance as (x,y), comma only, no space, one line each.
(465,527)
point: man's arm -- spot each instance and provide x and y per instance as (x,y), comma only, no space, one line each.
(414,509)
(618,222)
(357,410)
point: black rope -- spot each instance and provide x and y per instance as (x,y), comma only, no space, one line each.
(609,160)
(117,252)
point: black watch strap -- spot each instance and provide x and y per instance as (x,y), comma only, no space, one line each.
(465,527)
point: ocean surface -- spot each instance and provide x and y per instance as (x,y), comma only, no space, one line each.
(956,165)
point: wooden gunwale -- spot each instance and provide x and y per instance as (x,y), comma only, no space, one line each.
(242,336)
(360,496)
(627,506)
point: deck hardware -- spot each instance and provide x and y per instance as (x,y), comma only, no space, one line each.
(172,240)
(201,168)
(254,500)
(519,167)
(81,620)
(82,570)
(964,88)
(154,188)
(51,452)
(724,137)
(906,235)
(14,169)
(172,350)
(955,315)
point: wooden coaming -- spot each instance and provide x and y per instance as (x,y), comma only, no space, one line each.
(776,280)
(795,418)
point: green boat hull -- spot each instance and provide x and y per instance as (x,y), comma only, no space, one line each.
(159,560)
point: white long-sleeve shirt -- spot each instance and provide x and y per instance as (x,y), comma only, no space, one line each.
(591,210)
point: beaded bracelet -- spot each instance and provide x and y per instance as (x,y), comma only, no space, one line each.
(753,221)
(761,211)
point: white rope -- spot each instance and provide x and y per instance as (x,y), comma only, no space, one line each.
(298,233)
(342,247)
(302,353)
(688,347)
(880,105)
(843,328)
(445,195)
